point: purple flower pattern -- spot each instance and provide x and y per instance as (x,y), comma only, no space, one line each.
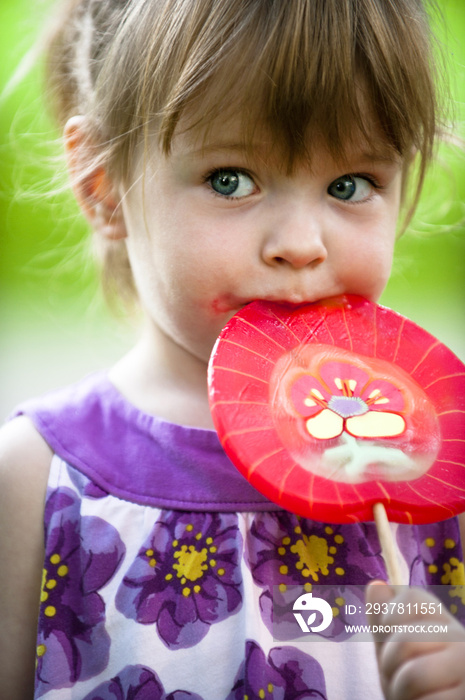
(287,674)
(285,550)
(137,683)
(82,554)
(186,576)
(436,561)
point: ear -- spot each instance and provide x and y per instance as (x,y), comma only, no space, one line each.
(95,192)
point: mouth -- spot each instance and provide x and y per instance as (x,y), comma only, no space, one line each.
(229,304)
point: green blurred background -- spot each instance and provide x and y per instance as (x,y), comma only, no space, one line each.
(54,326)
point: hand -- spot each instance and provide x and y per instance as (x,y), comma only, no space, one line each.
(411,669)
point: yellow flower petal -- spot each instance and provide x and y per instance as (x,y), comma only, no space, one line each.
(325,425)
(376,424)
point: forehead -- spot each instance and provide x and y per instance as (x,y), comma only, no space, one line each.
(255,138)
(261,118)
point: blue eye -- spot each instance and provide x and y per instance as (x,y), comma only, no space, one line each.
(350,187)
(231,183)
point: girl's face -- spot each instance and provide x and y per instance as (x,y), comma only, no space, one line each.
(211,228)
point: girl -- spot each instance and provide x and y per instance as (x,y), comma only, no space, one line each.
(223,152)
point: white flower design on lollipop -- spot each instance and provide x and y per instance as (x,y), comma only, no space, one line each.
(345,398)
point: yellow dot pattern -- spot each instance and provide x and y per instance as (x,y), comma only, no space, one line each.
(458,592)
(50,579)
(308,558)
(451,572)
(193,556)
(265,693)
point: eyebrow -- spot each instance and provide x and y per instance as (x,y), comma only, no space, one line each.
(388,155)
(234,147)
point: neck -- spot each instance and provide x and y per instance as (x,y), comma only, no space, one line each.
(162,378)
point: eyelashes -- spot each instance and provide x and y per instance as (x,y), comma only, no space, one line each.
(353,188)
(234,183)
(231,183)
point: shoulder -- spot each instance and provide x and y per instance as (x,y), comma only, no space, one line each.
(24,467)
(19,440)
(24,462)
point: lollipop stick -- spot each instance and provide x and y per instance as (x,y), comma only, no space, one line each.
(388,549)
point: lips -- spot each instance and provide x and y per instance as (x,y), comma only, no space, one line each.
(229,303)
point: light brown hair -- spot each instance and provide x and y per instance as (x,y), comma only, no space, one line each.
(135,67)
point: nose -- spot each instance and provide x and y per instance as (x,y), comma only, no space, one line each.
(295,237)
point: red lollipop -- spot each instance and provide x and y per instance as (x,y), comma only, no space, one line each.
(331,408)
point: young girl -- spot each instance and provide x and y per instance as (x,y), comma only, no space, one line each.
(223,152)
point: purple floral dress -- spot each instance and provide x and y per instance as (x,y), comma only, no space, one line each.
(160,562)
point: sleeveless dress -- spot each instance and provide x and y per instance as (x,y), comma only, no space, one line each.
(161,563)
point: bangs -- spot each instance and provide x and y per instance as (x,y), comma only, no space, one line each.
(341,70)
(338,70)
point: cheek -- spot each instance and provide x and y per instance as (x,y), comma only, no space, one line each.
(366,264)
(378,270)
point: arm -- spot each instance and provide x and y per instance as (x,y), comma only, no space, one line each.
(24,467)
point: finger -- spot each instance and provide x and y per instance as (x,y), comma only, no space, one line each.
(399,650)
(434,673)
(378,592)
(451,694)
(407,606)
